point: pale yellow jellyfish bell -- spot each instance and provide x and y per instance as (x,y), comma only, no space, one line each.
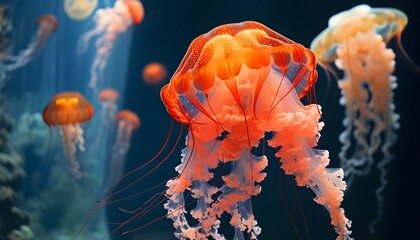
(79,9)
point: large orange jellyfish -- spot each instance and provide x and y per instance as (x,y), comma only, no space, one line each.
(235,84)
(68,110)
(110,22)
(356,41)
(47,24)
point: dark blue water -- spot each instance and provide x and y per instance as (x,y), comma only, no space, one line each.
(283,210)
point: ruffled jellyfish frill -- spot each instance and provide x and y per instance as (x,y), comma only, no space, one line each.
(234,85)
(109,23)
(355,41)
(127,121)
(68,110)
(47,24)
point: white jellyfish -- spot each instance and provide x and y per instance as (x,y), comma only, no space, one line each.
(109,22)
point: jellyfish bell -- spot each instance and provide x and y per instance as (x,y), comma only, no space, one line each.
(79,9)
(154,73)
(128,118)
(389,23)
(47,22)
(68,110)
(108,95)
(136,10)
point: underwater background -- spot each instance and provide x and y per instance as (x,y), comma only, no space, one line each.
(283,210)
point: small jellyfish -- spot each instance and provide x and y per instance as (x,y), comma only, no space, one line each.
(109,23)
(127,121)
(355,41)
(47,24)
(68,110)
(108,99)
(154,73)
(79,9)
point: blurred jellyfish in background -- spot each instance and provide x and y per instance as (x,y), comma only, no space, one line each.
(68,110)
(355,41)
(108,100)
(79,9)
(127,121)
(154,73)
(47,24)
(109,23)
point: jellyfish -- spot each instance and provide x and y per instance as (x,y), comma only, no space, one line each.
(356,41)
(108,98)
(79,9)
(47,24)
(109,23)
(237,85)
(69,110)
(127,121)
(154,73)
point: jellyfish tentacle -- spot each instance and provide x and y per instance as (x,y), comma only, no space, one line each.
(369,65)
(72,136)
(298,158)
(194,177)
(109,22)
(47,24)
(235,198)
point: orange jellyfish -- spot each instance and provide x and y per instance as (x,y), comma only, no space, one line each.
(47,24)
(235,84)
(109,23)
(68,110)
(154,73)
(136,9)
(356,41)
(127,121)
(108,98)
